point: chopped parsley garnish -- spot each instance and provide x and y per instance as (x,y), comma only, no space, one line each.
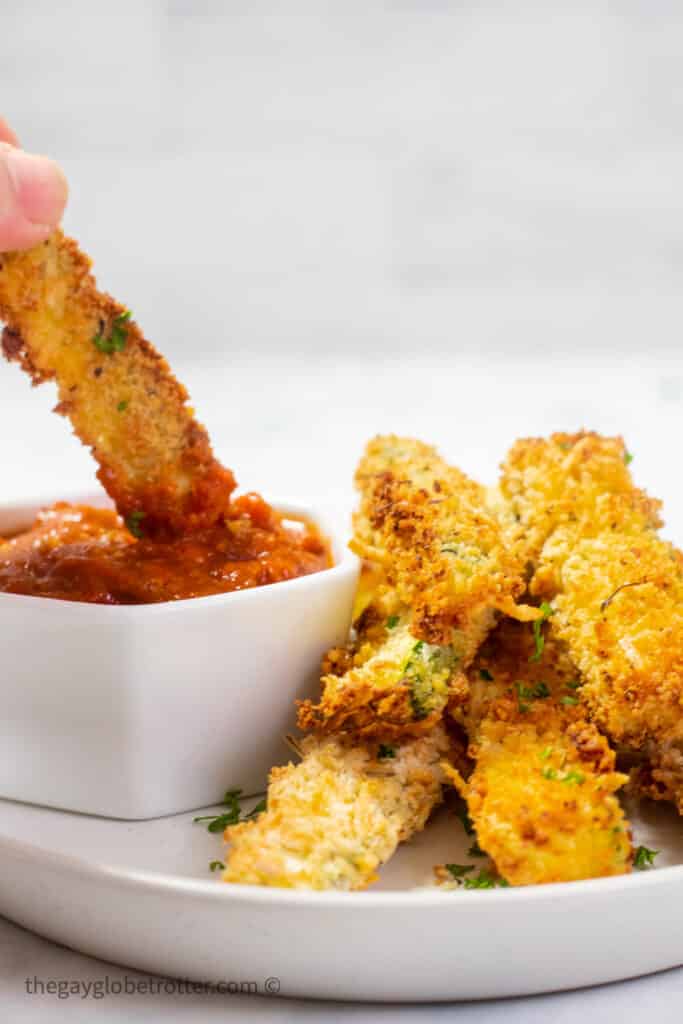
(133,521)
(644,858)
(628,458)
(385,752)
(450,549)
(569,701)
(467,822)
(475,850)
(538,692)
(539,639)
(116,340)
(485,880)
(458,870)
(122,406)
(216,865)
(232,800)
(392,622)
(545,753)
(570,778)
(485,674)
(574,684)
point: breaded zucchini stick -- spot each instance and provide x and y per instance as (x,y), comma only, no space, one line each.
(446,576)
(155,459)
(616,590)
(336,817)
(428,526)
(541,793)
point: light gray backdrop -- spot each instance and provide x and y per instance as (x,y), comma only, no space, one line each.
(380,178)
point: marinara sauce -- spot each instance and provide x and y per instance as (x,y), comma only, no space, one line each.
(77,553)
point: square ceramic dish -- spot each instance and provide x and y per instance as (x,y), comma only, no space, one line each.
(146,710)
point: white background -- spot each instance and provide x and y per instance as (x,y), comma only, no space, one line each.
(459,221)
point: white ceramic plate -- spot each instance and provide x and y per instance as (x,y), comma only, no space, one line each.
(141,894)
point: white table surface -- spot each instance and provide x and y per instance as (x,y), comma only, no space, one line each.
(302,440)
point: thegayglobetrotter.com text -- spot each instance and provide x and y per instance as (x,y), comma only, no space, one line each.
(108,987)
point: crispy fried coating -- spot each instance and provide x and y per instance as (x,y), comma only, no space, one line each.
(441,576)
(397,688)
(155,459)
(546,483)
(616,590)
(428,526)
(336,817)
(541,793)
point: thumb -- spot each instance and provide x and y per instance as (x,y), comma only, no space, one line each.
(33,193)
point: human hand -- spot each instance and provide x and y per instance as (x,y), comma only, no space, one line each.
(33,193)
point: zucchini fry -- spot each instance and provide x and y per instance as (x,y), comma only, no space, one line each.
(616,590)
(446,576)
(337,816)
(428,526)
(155,460)
(541,793)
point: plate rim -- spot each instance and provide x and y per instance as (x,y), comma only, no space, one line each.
(360,900)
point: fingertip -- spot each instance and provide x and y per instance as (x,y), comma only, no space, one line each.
(40,189)
(6,133)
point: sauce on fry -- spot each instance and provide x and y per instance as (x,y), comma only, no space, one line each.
(77,553)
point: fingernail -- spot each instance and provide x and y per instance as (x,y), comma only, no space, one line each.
(39,186)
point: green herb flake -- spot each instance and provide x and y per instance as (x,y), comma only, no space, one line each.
(545,753)
(458,870)
(628,458)
(232,800)
(644,858)
(115,341)
(574,684)
(122,406)
(574,777)
(392,622)
(467,822)
(549,773)
(570,702)
(538,692)
(486,675)
(485,880)
(537,626)
(133,521)
(475,850)
(216,865)
(385,752)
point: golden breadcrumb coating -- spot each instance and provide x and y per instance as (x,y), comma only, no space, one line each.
(428,526)
(441,576)
(118,392)
(541,793)
(616,590)
(336,817)
(548,482)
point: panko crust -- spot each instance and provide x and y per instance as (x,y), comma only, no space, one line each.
(541,794)
(437,575)
(428,526)
(154,458)
(615,586)
(338,815)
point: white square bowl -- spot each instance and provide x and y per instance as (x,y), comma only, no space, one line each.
(141,711)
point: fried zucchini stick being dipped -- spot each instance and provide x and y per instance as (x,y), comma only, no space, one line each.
(448,574)
(616,590)
(155,459)
(541,793)
(338,815)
